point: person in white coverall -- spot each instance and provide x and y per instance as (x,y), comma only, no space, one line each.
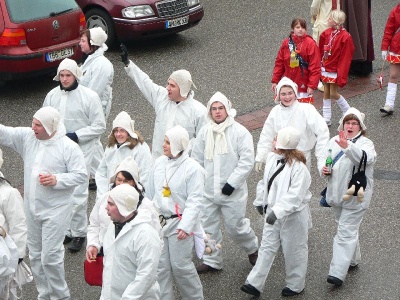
(98,75)
(177,191)
(127,172)
(173,105)
(123,141)
(83,117)
(12,219)
(132,249)
(348,213)
(290,112)
(8,263)
(53,167)
(225,149)
(285,190)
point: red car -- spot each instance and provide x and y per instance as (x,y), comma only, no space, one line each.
(35,35)
(136,19)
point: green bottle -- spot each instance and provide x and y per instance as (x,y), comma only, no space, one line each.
(329,161)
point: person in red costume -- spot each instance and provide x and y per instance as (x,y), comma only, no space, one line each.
(298,59)
(391,52)
(336,47)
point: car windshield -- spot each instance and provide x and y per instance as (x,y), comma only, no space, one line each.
(23,11)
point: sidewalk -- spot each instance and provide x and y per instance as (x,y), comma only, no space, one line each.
(355,86)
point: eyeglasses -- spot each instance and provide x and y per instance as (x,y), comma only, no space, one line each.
(352,123)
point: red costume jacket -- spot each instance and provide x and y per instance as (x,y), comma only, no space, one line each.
(391,34)
(341,53)
(308,50)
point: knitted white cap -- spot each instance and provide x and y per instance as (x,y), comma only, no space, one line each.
(124,121)
(97,36)
(128,165)
(126,198)
(1,158)
(219,97)
(288,138)
(353,111)
(178,139)
(49,117)
(285,81)
(69,65)
(184,80)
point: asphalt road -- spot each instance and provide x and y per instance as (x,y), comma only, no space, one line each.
(233,51)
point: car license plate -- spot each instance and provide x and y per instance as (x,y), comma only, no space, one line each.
(177,22)
(59,54)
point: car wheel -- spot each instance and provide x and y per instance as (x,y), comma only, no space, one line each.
(99,18)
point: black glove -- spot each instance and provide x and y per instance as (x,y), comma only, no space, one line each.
(124,54)
(271,218)
(261,210)
(227,189)
(72,136)
(20,260)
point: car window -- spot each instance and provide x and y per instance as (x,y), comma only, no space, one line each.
(20,11)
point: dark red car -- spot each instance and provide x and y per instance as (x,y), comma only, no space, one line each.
(136,19)
(35,35)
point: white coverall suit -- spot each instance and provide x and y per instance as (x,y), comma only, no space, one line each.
(131,261)
(288,198)
(81,112)
(47,208)
(98,75)
(190,113)
(233,168)
(348,214)
(185,179)
(113,156)
(302,116)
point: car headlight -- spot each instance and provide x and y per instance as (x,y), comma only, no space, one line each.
(138,11)
(193,2)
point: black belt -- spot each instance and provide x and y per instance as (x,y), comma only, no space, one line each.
(163,219)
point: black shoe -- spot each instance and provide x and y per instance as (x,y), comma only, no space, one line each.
(334,280)
(77,243)
(351,268)
(203,268)
(67,240)
(92,185)
(253,258)
(286,292)
(249,289)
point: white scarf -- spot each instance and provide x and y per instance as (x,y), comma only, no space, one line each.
(220,144)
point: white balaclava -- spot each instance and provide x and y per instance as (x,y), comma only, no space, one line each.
(219,97)
(69,65)
(49,117)
(288,138)
(353,111)
(1,158)
(97,36)
(126,198)
(128,165)
(178,139)
(124,121)
(184,80)
(285,81)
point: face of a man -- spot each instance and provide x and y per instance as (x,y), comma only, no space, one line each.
(113,212)
(174,92)
(218,112)
(66,78)
(287,95)
(167,148)
(39,130)
(84,44)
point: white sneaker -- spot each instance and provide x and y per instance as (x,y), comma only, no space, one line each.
(387,110)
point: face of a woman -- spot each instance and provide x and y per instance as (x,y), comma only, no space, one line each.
(298,30)
(167,148)
(84,44)
(120,179)
(331,23)
(121,135)
(351,128)
(287,95)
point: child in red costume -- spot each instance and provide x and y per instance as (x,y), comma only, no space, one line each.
(391,52)
(298,59)
(336,48)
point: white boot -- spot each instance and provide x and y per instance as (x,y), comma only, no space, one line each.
(390,98)
(327,111)
(344,106)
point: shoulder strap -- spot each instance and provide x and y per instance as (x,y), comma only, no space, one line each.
(274,175)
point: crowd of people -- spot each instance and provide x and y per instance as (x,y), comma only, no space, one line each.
(154,206)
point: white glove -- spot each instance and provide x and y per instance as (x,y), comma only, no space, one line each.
(384,54)
(258,166)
